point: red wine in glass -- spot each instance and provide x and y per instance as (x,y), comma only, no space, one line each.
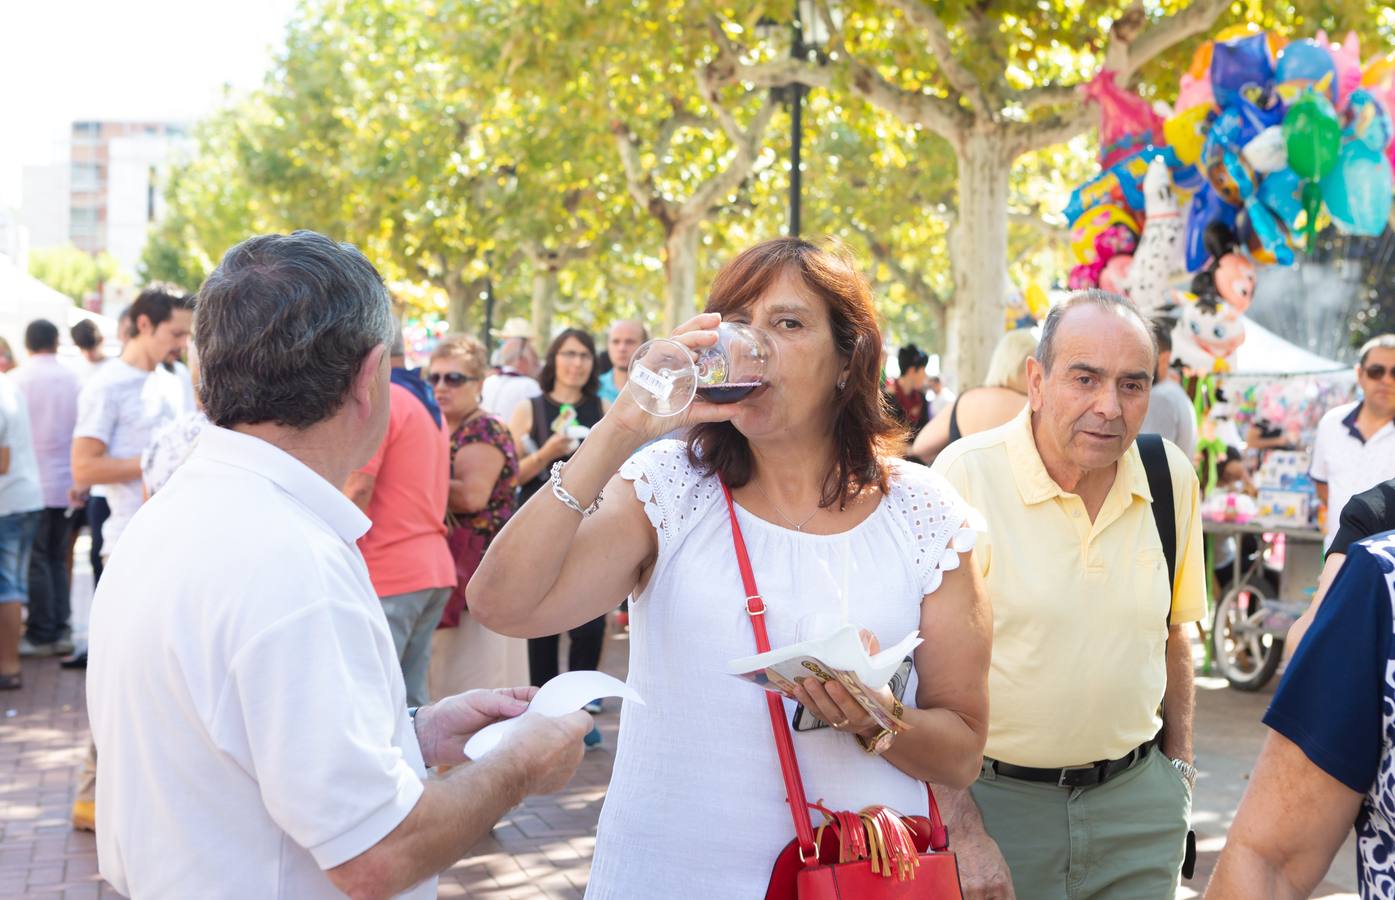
(727,391)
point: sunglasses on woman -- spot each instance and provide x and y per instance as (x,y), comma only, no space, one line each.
(452,379)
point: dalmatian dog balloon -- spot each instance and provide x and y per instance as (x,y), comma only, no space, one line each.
(1159,256)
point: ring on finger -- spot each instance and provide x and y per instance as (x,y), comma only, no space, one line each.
(841,724)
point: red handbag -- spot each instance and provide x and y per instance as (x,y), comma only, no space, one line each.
(875,854)
(467,548)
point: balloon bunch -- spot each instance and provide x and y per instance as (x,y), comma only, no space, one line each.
(1110,259)
(1280,134)
(1108,213)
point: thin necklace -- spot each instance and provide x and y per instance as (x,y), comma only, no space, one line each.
(797,526)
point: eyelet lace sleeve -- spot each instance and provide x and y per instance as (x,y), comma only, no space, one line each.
(673,492)
(937,522)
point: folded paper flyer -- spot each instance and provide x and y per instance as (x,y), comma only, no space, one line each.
(839,656)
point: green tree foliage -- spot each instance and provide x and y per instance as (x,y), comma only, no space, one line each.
(71,271)
(602,159)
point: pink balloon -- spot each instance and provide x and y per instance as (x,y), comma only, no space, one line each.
(1082,277)
(1115,272)
(1194,92)
(1347,57)
(1127,121)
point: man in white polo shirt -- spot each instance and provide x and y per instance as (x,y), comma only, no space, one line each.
(1355,444)
(517,379)
(249,712)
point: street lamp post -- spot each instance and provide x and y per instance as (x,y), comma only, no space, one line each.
(808,35)
(796,124)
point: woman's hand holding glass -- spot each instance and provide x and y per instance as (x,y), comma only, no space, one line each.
(693,336)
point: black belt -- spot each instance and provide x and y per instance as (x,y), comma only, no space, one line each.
(1076,776)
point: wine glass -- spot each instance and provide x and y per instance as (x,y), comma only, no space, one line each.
(667,375)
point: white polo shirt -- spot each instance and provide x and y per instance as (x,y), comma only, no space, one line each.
(502,393)
(244,692)
(1348,463)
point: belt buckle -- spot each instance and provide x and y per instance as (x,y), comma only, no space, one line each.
(1061,779)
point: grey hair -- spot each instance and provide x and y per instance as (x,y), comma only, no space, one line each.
(399,343)
(1115,303)
(283,325)
(512,351)
(1379,342)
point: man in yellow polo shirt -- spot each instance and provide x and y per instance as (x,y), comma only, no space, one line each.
(1078,798)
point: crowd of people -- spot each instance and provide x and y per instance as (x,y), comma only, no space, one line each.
(320,571)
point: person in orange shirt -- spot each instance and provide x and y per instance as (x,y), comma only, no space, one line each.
(403,490)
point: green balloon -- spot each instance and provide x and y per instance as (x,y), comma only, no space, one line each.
(1313,135)
(1312,205)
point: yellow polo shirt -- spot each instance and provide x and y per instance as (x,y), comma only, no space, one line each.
(1079,607)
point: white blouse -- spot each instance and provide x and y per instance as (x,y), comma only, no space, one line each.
(696,807)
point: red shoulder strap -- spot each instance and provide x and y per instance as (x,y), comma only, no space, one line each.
(784,741)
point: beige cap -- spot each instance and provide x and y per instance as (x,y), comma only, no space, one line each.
(516,328)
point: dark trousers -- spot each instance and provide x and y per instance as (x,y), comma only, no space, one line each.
(97,514)
(584,653)
(49,607)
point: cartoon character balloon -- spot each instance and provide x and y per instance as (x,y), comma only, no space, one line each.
(1240,67)
(1303,65)
(1127,121)
(1207,335)
(1228,279)
(1159,255)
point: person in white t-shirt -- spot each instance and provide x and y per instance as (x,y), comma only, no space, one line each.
(21,501)
(1354,448)
(517,379)
(118,411)
(244,687)
(125,401)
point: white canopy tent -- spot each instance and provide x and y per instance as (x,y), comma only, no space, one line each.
(24,298)
(1266,355)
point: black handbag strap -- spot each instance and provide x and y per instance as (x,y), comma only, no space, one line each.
(1154,455)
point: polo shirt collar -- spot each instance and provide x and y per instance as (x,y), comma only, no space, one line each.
(256,456)
(1036,485)
(1350,423)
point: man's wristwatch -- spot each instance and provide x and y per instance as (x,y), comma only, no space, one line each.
(881,742)
(1186,770)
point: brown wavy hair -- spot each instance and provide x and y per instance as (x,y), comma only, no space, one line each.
(864,432)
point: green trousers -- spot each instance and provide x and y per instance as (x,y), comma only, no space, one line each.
(1122,840)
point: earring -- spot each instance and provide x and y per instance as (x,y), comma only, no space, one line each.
(842,383)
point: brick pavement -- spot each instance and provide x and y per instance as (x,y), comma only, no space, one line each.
(542,849)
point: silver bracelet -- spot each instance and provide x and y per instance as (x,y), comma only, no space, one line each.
(565,496)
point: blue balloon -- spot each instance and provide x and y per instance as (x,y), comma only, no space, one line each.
(1266,228)
(1240,65)
(1358,190)
(1240,174)
(1187,178)
(1207,207)
(1370,123)
(1229,130)
(1302,64)
(1282,191)
(1257,118)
